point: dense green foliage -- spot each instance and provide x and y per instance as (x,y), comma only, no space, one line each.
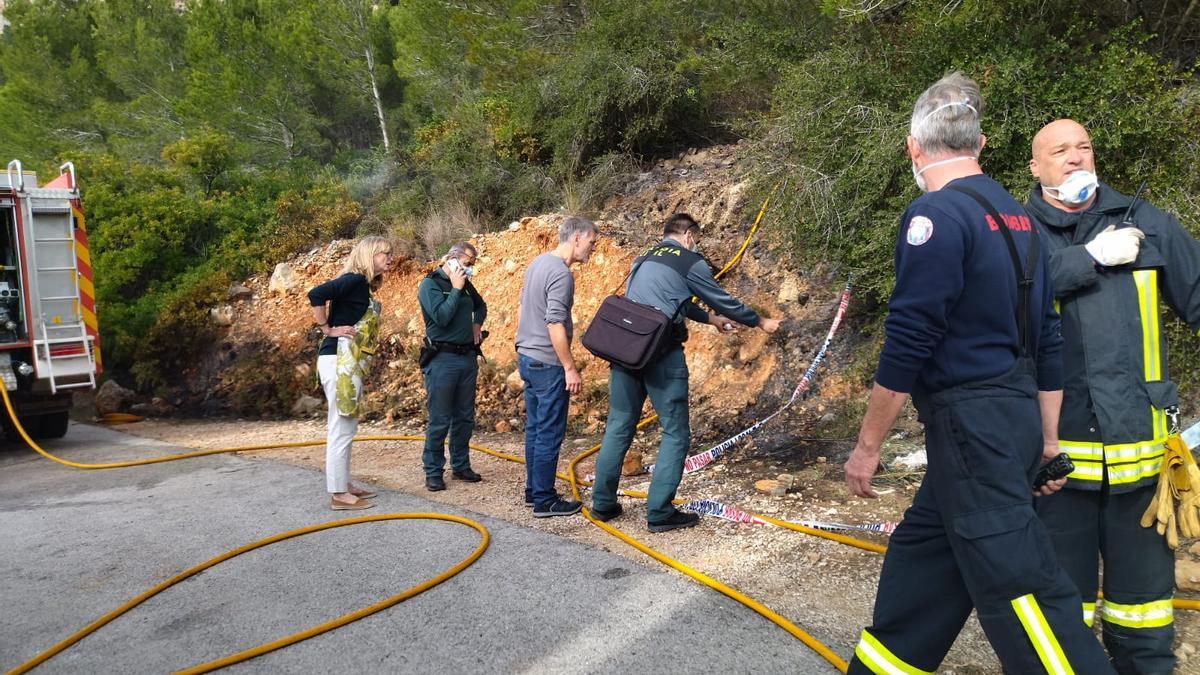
(216,138)
(844,162)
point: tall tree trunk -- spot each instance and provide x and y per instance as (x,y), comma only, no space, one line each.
(375,95)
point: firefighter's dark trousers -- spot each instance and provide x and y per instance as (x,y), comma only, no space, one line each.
(1139,571)
(971,540)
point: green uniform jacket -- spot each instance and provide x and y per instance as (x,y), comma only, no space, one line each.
(1117,390)
(448,312)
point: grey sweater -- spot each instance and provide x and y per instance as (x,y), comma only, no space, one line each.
(547,295)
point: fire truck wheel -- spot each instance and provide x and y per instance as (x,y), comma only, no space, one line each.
(53,425)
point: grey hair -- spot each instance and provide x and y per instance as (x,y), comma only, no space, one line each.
(460,248)
(574,225)
(945,120)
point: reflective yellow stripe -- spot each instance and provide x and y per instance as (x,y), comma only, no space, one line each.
(1038,630)
(1127,462)
(1147,615)
(1123,453)
(1089,613)
(1136,472)
(1147,289)
(1082,450)
(1088,472)
(1160,423)
(879,659)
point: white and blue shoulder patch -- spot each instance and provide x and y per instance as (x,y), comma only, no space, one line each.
(920,230)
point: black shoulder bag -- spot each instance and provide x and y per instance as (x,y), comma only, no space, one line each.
(628,333)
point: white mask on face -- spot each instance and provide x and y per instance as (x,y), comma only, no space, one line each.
(921,179)
(1076,189)
(456,265)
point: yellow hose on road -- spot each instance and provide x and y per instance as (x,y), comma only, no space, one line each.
(292,639)
(340,621)
(768,613)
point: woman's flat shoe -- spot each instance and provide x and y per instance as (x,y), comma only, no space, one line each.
(365,494)
(348,506)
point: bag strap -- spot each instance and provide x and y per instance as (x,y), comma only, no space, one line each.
(1024,276)
(634,269)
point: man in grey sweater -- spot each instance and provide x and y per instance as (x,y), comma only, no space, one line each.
(544,332)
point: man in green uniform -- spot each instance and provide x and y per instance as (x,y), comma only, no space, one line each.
(454,313)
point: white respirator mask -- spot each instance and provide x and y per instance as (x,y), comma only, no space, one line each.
(1076,189)
(921,179)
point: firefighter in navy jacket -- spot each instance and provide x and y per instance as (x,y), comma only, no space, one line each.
(978,350)
(1110,270)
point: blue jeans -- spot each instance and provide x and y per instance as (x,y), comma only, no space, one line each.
(546,400)
(450,386)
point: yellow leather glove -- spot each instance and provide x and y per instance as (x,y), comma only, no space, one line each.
(1178,482)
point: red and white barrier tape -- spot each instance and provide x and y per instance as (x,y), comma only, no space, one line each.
(700,460)
(711,507)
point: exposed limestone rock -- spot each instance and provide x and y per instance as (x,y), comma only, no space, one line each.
(221,315)
(283,279)
(307,405)
(240,292)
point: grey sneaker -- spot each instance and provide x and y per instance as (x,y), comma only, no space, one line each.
(558,507)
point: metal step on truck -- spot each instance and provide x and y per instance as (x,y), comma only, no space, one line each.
(49,340)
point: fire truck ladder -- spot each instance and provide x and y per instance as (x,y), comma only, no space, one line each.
(62,347)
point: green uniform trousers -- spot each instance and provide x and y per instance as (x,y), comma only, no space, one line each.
(666,381)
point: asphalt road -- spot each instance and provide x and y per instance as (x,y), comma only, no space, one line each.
(78,543)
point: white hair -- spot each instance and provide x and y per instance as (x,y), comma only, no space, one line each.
(457,250)
(574,225)
(945,120)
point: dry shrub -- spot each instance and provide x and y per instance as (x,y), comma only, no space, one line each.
(431,235)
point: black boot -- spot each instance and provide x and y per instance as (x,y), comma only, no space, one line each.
(467,474)
(675,521)
(435,483)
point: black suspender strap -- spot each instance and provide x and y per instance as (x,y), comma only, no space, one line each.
(1024,276)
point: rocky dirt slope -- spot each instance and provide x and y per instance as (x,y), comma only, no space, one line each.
(265,361)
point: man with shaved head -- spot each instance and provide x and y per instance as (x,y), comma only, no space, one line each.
(1111,258)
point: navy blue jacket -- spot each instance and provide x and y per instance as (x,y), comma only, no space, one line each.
(1117,387)
(952,318)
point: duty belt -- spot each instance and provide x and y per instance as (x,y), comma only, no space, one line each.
(455,347)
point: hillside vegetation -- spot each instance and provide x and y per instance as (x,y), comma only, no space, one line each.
(218,137)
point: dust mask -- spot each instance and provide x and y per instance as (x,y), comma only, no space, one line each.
(1076,189)
(921,179)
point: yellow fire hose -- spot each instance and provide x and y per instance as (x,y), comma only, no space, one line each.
(295,637)
(571,478)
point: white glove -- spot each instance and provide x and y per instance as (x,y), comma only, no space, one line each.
(1115,247)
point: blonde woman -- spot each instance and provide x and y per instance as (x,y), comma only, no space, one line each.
(347,313)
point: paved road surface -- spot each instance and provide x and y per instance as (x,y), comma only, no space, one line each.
(78,543)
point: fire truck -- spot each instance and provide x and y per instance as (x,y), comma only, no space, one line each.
(49,341)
